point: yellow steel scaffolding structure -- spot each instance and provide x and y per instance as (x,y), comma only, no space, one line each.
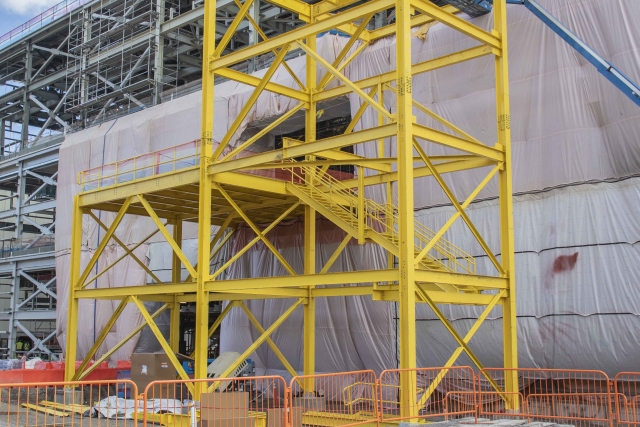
(214,189)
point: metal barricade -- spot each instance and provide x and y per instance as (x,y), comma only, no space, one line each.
(223,402)
(577,397)
(334,400)
(626,389)
(78,403)
(440,393)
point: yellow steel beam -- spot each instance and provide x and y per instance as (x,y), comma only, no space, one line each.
(301,33)
(457,23)
(255,81)
(423,67)
(254,182)
(120,343)
(126,249)
(163,342)
(103,334)
(305,149)
(215,240)
(454,142)
(249,103)
(460,210)
(103,243)
(121,257)
(337,74)
(260,236)
(226,37)
(121,292)
(416,20)
(167,235)
(72,301)
(439,297)
(364,276)
(462,343)
(268,340)
(259,233)
(258,342)
(455,216)
(263,132)
(356,117)
(505,192)
(334,256)
(448,278)
(301,8)
(176,277)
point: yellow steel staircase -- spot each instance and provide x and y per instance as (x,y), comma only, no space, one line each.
(375,222)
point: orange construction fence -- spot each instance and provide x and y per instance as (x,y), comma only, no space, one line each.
(582,398)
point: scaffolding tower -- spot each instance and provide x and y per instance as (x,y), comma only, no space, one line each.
(206,182)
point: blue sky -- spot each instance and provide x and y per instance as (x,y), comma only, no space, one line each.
(16,12)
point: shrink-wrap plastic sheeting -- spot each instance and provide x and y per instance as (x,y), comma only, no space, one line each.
(166,125)
(575,152)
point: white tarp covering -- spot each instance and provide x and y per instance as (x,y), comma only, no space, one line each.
(575,155)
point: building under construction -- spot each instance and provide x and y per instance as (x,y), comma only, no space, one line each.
(340,187)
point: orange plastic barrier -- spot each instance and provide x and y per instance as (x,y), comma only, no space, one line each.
(626,389)
(437,392)
(578,397)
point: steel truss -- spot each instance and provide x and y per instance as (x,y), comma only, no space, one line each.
(216,190)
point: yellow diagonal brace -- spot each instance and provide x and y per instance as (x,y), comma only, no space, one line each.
(215,239)
(103,243)
(126,249)
(457,23)
(260,234)
(80,375)
(231,30)
(452,141)
(462,342)
(247,79)
(269,341)
(254,241)
(274,51)
(163,342)
(356,118)
(168,237)
(456,215)
(346,81)
(437,117)
(353,56)
(459,208)
(100,339)
(263,132)
(336,63)
(250,102)
(120,258)
(258,342)
(334,256)
(219,320)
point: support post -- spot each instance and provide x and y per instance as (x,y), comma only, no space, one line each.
(72,305)
(509,327)
(158,62)
(407,292)
(309,351)
(204,208)
(26,109)
(176,277)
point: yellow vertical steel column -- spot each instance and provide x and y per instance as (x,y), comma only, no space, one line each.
(309,351)
(407,295)
(506,207)
(176,277)
(72,304)
(204,200)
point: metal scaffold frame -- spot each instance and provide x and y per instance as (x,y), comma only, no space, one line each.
(216,190)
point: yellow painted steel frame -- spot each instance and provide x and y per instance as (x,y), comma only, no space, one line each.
(219,191)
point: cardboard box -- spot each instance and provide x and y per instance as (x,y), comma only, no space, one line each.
(275,417)
(148,367)
(228,422)
(230,399)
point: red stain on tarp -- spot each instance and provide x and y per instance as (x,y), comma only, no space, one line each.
(565,263)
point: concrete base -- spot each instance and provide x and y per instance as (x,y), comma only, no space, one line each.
(310,403)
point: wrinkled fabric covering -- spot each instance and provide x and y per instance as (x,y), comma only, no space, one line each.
(118,408)
(575,158)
